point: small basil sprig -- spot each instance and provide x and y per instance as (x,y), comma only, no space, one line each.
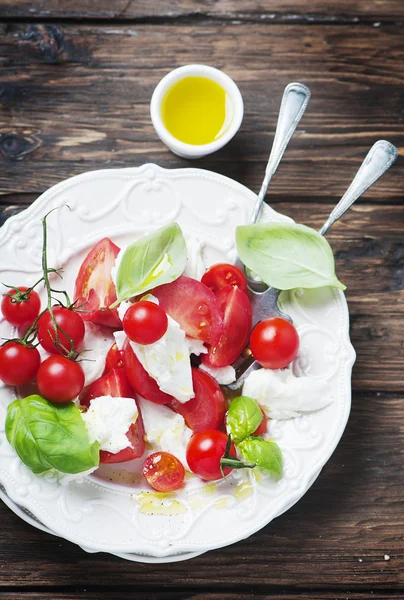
(50,436)
(287,255)
(151,261)
(243,418)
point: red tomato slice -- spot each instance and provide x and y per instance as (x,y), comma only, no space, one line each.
(194,306)
(140,380)
(208,408)
(114,359)
(222,274)
(115,384)
(94,286)
(237,324)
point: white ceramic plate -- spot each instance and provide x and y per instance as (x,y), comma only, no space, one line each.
(112,517)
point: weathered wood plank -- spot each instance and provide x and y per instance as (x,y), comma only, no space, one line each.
(265,593)
(76,98)
(228,9)
(336,537)
(369,247)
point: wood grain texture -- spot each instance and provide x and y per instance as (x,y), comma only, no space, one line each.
(76,98)
(369,247)
(265,593)
(336,537)
(272,10)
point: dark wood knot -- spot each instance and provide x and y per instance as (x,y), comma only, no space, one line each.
(15,146)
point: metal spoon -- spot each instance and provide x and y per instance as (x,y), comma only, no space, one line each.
(378,160)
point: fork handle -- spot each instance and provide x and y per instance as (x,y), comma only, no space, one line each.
(379,158)
(294,103)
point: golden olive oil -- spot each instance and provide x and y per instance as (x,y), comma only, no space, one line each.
(196,110)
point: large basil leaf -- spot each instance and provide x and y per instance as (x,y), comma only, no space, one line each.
(151,261)
(263,454)
(287,255)
(243,418)
(50,436)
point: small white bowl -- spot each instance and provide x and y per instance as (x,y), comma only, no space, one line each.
(191,150)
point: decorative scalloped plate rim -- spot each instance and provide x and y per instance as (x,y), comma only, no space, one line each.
(151,551)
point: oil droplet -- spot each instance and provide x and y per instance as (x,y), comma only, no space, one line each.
(159,503)
(243,490)
(256,473)
(197,503)
(221,503)
(209,488)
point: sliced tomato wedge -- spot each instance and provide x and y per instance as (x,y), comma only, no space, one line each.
(94,288)
(194,306)
(237,323)
(115,384)
(207,410)
(222,274)
(114,359)
(140,380)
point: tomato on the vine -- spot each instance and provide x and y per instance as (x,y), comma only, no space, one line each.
(145,322)
(19,363)
(204,451)
(163,471)
(60,379)
(20,307)
(67,320)
(274,343)
(222,274)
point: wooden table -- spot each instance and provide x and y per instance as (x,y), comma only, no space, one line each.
(75,86)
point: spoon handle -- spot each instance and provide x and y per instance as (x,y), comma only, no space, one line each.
(294,103)
(379,158)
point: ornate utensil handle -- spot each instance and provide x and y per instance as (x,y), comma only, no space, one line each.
(294,103)
(379,158)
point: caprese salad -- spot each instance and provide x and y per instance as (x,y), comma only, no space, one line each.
(135,364)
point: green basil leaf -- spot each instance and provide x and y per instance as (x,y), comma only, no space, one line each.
(151,261)
(263,454)
(50,436)
(287,255)
(243,418)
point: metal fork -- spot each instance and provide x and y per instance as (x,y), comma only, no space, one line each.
(265,301)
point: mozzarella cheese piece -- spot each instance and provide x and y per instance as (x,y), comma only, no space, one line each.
(165,429)
(196,347)
(195,266)
(223,375)
(284,396)
(108,420)
(167,360)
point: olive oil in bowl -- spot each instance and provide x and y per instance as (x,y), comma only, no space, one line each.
(196,110)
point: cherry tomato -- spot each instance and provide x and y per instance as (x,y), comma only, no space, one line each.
(140,380)
(69,321)
(163,472)
(274,343)
(194,306)
(115,384)
(19,308)
(145,322)
(114,359)
(222,274)
(237,322)
(262,427)
(18,363)
(94,286)
(60,379)
(204,451)
(208,408)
